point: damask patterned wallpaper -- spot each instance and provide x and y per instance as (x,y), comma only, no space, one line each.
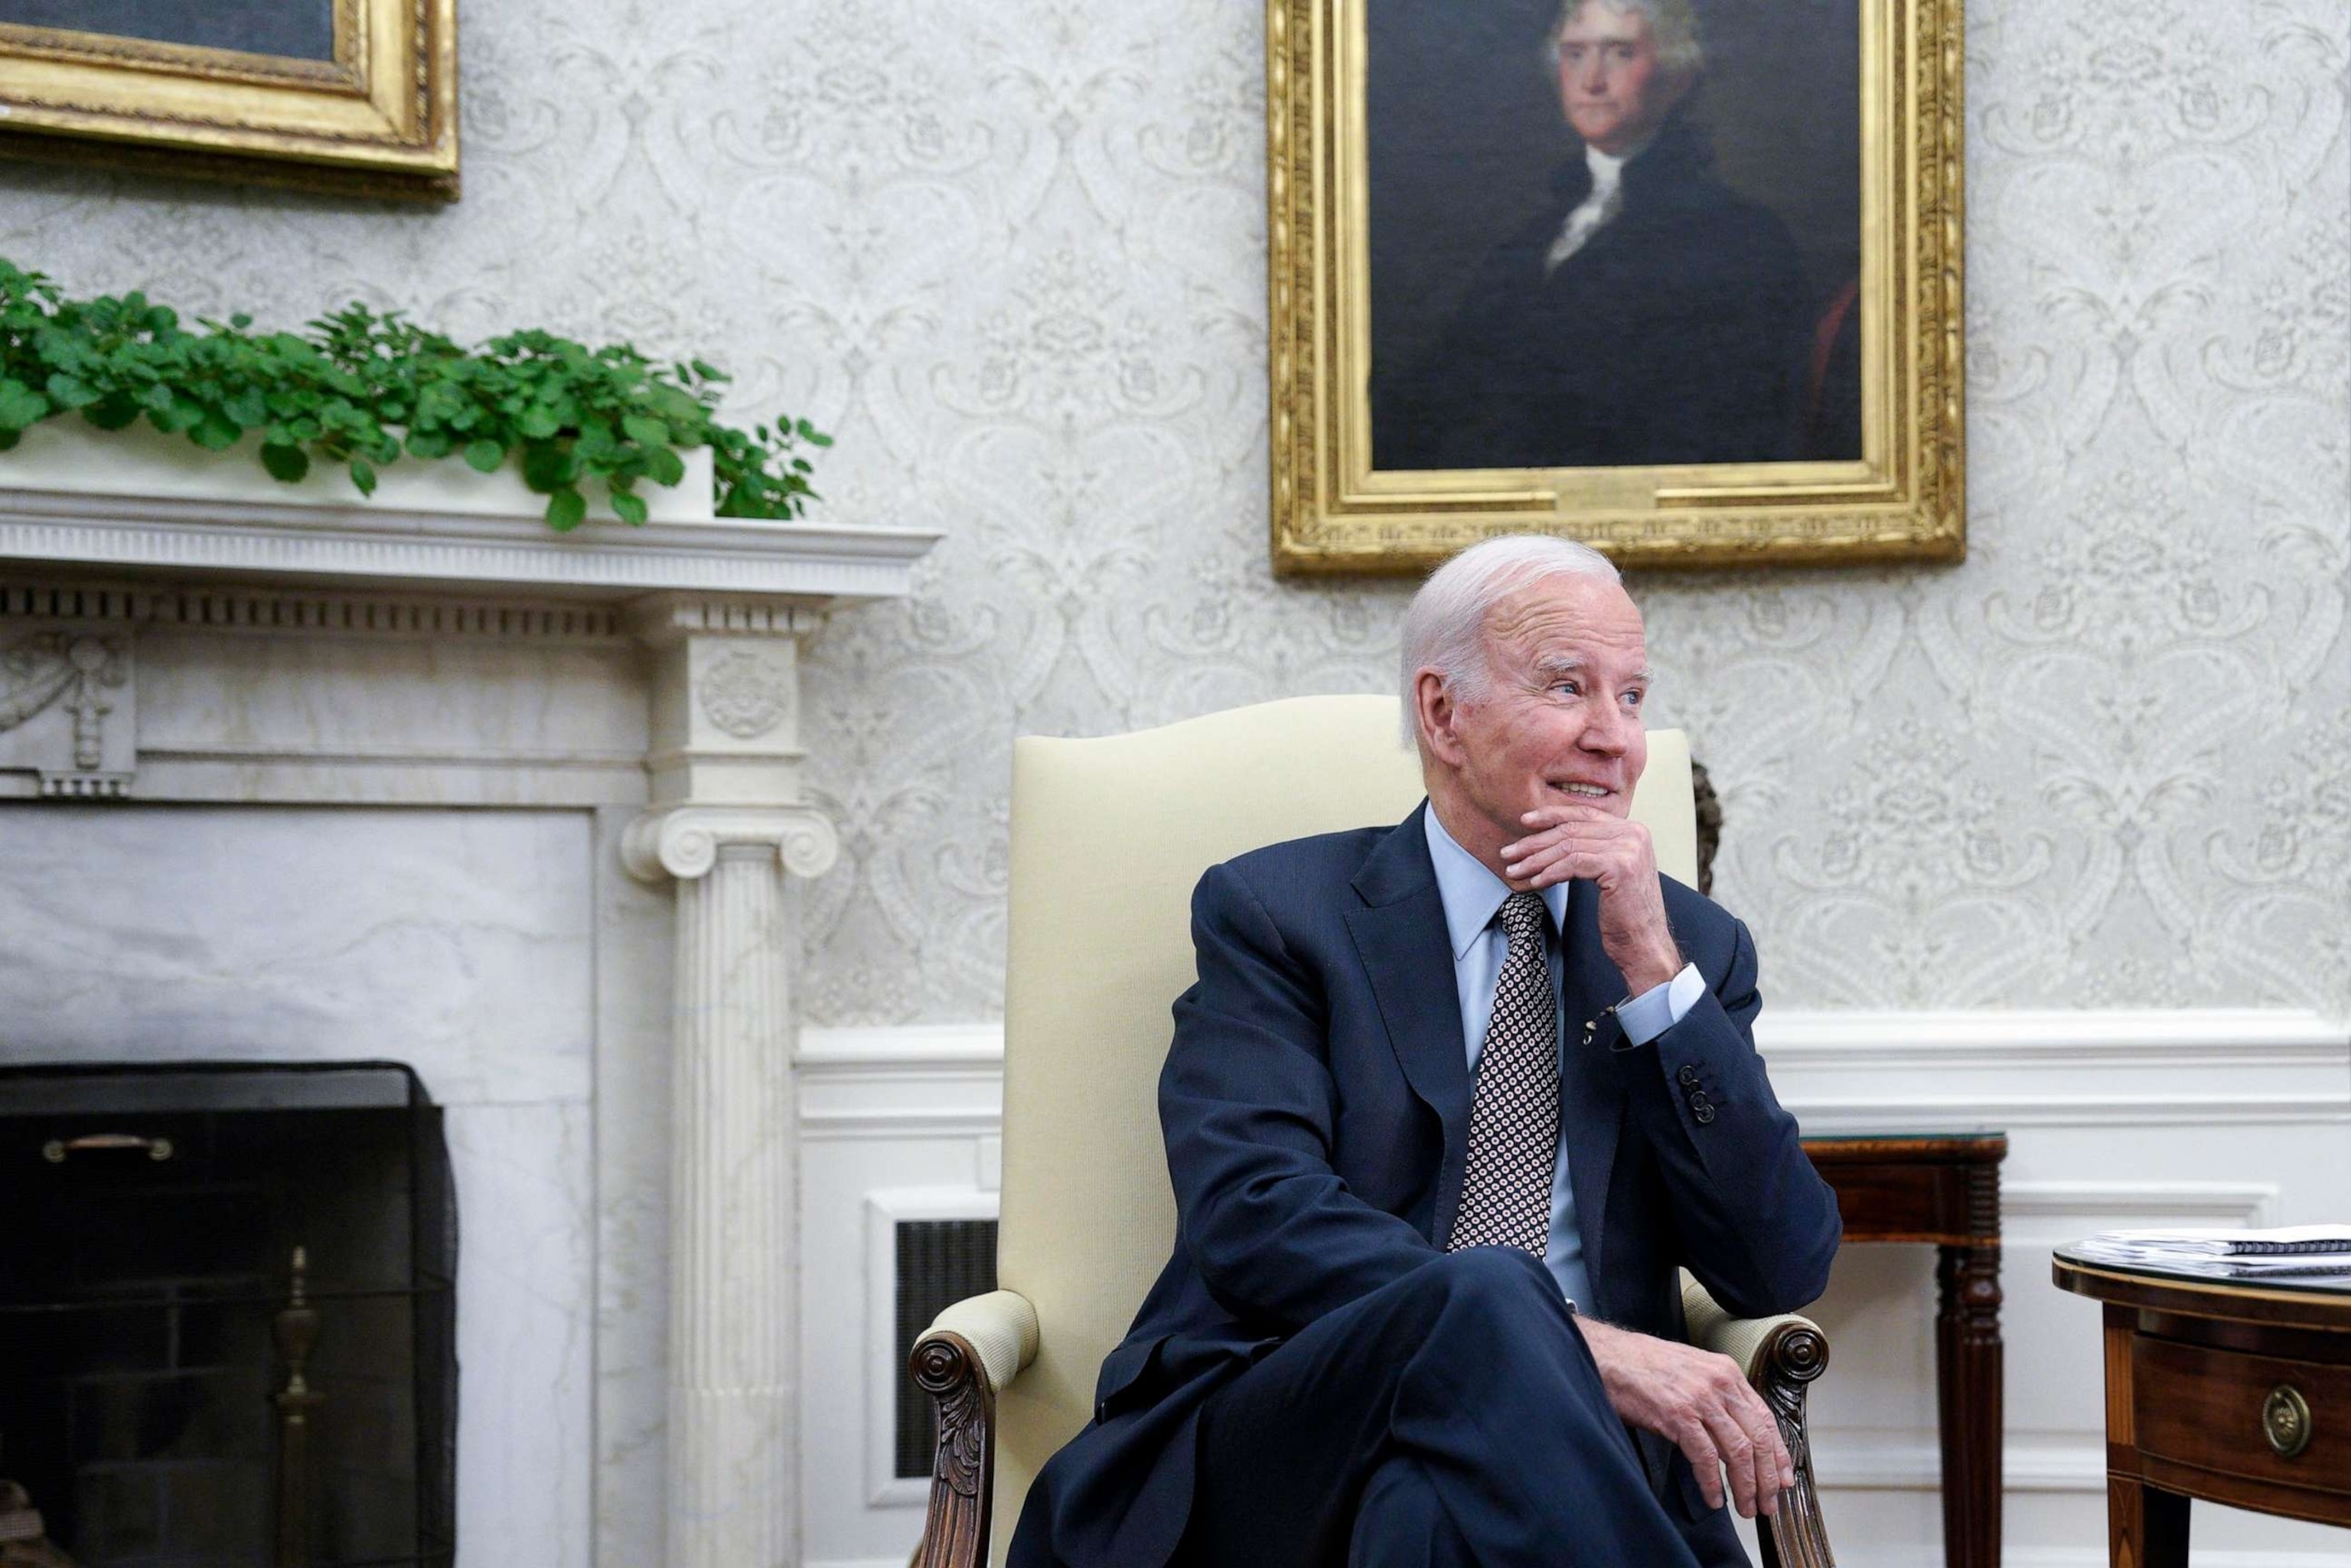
(1011,252)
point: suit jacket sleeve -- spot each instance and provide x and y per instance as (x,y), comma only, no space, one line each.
(1759,1228)
(1248,1105)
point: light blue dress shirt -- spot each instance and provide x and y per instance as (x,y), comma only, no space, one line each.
(1473,896)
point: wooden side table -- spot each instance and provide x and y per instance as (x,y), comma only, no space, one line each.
(1943,1189)
(2237,1393)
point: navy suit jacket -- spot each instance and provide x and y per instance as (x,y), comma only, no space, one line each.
(1316,1109)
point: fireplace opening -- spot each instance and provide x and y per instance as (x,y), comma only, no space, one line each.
(227,1315)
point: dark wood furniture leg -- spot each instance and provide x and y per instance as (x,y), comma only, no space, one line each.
(2146,1527)
(1967,1370)
(1942,1189)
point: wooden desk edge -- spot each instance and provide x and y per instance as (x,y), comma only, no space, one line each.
(2202,1298)
(1972,1149)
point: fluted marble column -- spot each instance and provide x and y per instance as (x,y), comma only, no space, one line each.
(729,827)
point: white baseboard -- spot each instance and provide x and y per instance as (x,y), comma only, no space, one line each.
(2059,1467)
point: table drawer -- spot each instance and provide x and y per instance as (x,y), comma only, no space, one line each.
(2198,1405)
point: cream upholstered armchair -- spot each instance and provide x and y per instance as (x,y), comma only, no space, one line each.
(1108,838)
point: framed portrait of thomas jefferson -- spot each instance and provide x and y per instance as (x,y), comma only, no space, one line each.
(1680,278)
(357,96)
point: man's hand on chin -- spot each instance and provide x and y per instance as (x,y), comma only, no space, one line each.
(1701,1402)
(1587,843)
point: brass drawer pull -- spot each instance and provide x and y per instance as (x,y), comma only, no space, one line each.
(55,1150)
(2285,1421)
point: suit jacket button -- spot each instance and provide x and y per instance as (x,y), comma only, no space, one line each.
(1703,1109)
(1686,1078)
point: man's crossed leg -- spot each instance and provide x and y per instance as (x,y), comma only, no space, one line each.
(1454,1418)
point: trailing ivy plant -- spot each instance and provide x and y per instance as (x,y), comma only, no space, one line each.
(362,391)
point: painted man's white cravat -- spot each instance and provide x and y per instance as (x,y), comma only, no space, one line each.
(1594,213)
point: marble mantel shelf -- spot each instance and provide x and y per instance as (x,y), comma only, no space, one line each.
(376,547)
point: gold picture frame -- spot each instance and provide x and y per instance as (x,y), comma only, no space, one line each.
(1902,496)
(367,107)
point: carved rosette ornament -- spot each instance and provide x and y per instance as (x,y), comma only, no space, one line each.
(747,694)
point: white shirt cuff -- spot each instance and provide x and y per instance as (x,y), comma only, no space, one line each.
(1659,1008)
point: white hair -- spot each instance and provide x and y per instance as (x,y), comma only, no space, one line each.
(1445,626)
(1681,50)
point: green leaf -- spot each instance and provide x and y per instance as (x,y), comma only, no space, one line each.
(215,432)
(566,509)
(597,447)
(184,413)
(548,468)
(20,405)
(8,438)
(664,466)
(645,430)
(430,443)
(240,320)
(628,508)
(539,423)
(68,391)
(111,412)
(286,465)
(364,475)
(484,456)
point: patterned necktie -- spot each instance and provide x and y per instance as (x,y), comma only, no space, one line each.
(1514,1115)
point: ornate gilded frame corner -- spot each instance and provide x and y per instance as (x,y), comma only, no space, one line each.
(1906,498)
(380,119)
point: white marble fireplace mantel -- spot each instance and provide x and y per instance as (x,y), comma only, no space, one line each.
(199,695)
(381,546)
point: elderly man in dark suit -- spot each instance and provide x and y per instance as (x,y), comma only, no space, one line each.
(1448,1107)
(1649,316)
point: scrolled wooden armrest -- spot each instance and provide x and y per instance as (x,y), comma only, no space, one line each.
(1000,1328)
(970,1353)
(1780,1355)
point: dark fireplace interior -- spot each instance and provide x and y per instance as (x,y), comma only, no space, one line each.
(227,1315)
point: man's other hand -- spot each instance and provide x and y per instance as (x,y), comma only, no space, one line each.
(1701,1402)
(1589,844)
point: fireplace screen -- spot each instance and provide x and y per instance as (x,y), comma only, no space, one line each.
(227,1316)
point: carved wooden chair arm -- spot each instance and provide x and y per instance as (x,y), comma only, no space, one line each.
(970,1352)
(1781,1356)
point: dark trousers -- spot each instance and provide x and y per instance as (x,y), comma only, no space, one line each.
(1452,1418)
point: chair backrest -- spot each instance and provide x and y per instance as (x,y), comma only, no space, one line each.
(1108,837)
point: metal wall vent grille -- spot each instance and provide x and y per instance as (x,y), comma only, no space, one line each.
(940,1261)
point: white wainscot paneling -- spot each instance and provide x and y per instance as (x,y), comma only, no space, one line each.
(2201,1117)
(898,1123)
